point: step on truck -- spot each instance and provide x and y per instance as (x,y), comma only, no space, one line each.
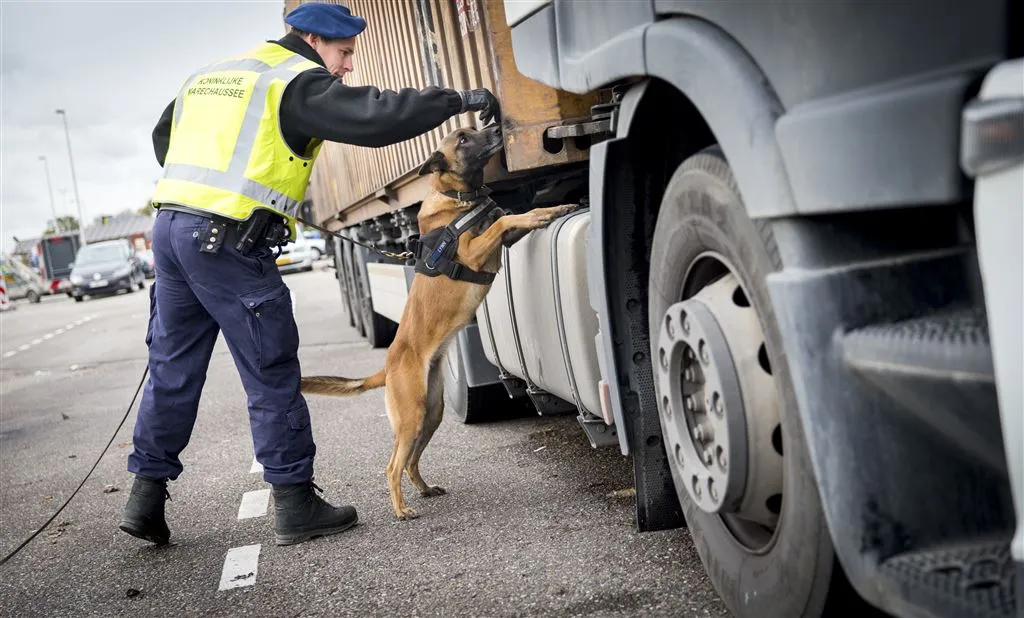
(791,298)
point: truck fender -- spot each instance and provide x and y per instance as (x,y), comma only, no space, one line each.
(736,103)
(735,100)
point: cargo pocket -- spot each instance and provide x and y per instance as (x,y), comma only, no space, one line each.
(300,448)
(272,327)
(298,419)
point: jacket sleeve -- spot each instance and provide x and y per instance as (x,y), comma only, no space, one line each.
(162,134)
(318,105)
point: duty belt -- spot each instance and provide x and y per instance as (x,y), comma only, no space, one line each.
(262,229)
(435,250)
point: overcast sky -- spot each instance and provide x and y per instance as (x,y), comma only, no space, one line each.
(113,66)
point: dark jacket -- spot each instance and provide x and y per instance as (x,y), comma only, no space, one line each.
(317,104)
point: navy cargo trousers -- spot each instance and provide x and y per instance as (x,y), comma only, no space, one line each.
(194,297)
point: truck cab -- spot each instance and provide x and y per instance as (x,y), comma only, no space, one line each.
(796,250)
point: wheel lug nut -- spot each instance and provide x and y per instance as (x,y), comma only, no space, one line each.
(708,457)
(722,461)
(698,433)
(690,406)
(716,404)
(704,353)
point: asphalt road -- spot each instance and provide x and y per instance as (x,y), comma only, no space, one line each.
(535,522)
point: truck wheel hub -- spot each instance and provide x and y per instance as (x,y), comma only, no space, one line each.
(719,405)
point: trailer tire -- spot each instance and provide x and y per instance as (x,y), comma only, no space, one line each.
(379,330)
(470,404)
(341,271)
(795,574)
(354,292)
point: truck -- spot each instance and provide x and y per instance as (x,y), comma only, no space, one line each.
(791,297)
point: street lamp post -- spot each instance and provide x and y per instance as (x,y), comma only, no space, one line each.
(74,181)
(49,185)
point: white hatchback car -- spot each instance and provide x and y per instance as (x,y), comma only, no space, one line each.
(296,255)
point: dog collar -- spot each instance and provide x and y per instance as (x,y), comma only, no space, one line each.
(468,196)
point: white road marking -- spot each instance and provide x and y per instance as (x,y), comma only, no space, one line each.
(24,347)
(254,504)
(240,566)
(10,354)
(69,327)
(36,341)
(59,331)
(48,336)
(256,466)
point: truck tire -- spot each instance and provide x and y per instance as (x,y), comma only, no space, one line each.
(470,404)
(379,330)
(702,238)
(33,296)
(353,291)
(341,274)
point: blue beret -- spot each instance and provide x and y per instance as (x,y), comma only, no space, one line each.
(331,21)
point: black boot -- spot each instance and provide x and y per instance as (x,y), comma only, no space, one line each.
(300,514)
(144,514)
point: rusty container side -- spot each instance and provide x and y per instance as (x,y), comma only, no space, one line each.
(460,44)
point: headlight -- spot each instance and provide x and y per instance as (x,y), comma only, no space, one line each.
(75,279)
(123,272)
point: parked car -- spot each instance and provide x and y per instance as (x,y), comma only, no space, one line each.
(317,244)
(106,268)
(297,255)
(20,281)
(148,265)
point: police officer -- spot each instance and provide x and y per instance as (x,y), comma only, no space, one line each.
(237,146)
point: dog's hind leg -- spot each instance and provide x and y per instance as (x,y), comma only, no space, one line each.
(405,399)
(431,421)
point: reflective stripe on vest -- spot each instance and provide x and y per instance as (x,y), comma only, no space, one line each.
(227,154)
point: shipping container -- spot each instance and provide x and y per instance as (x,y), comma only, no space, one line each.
(459,44)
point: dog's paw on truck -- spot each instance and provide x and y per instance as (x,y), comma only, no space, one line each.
(793,299)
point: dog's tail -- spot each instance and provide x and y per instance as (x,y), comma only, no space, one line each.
(340,387)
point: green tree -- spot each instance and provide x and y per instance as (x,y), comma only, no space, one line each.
(64,223)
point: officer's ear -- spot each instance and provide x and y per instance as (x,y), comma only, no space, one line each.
(436,163)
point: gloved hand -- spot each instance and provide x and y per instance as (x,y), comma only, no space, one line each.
(481,100)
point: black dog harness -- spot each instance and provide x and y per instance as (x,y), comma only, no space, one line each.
(435,250)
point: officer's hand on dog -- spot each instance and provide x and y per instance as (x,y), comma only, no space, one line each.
(483,101)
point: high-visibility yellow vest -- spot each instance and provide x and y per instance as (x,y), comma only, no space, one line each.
(227,154)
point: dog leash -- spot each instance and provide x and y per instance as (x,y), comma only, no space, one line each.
(89,474)
(403,256)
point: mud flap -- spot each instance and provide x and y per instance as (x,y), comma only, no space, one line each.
(618,279)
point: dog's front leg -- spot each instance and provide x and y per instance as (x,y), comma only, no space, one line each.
(480,249)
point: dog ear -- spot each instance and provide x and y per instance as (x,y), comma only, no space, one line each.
(436,163)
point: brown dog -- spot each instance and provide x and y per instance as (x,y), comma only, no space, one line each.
(437,307)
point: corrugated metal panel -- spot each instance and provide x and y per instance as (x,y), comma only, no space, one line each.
(460,44)
(119,226)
